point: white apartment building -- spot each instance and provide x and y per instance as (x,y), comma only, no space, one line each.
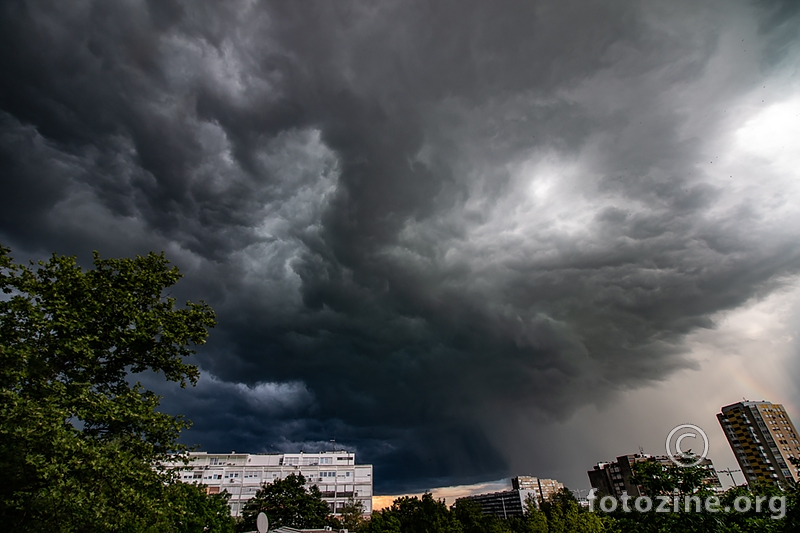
(241,475)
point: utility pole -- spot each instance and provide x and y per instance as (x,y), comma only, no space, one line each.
(541,492)
(730,474)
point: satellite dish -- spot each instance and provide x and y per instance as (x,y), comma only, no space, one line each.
(262,523)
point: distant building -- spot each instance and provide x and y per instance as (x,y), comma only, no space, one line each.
(502,504)
(542,489)
(763,439)
(614,478)
(241,475)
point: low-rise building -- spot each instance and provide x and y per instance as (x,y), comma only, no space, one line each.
(503,504)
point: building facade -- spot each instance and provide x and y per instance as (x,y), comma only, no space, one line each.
(335,473)
(542,489)
(503,504)
(763,439)
(615,478)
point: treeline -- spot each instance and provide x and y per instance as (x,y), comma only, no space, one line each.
(677,501)
(687,505)
(287,502)
(561,514)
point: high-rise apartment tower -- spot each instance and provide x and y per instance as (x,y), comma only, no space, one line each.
(763,439)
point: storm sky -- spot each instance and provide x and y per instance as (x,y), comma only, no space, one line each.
(465,239)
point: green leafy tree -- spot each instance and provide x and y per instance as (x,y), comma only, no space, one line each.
(473,520)
(78,438)
(470,515)
(423,515)
(534,520)
(657,478)
(792,520)
(382,521)
(679,483)
(286,502)
(563,514)
(752,520)
(191,510)
(351,516)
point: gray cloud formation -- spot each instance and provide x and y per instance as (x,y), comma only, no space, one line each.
(412,218)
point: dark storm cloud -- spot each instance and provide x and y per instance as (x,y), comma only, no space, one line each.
(411,218)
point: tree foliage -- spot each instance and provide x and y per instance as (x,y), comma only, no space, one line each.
(415,515)
(78,438)
(686,500)
(286,502)
(561,514)
(191,510)
(351,516)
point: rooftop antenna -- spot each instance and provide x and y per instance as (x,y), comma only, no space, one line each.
(641,450)
(333,440)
